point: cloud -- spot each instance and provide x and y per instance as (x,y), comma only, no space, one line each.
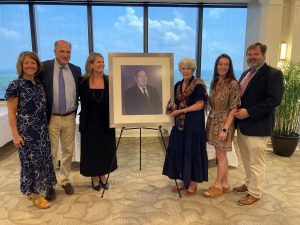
(163,25)
(169,31)
(170,37)
(130,19)
(216,13)
(9,34)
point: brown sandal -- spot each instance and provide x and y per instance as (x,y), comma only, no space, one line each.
(226,189)
(213,192)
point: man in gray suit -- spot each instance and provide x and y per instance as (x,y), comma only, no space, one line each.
(60,80)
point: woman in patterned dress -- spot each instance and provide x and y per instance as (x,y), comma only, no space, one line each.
(26,103)
(224,99)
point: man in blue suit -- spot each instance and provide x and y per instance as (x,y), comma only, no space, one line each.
(60,80)
(142,98)
(261,91)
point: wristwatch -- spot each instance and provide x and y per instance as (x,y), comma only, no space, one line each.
(224,130)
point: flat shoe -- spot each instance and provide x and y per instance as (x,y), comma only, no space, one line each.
(68,188)
(180,187)
(190,193)
(213,191)
(50,194)
(248,200)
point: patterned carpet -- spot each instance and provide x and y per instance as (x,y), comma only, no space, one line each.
(144,197)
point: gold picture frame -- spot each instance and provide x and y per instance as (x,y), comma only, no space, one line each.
(122,76)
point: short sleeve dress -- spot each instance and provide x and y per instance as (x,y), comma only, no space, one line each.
(221,101)
(186,156)
(37,172)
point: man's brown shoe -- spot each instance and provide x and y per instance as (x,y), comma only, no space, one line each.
(50,194)
(248,200)
(240,189)
(68,188)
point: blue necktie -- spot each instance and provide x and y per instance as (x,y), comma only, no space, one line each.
(62,92)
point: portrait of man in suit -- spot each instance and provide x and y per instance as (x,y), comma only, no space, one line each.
(141,98)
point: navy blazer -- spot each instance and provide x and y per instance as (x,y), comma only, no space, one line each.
(46,77)
(135,103)
(262,95)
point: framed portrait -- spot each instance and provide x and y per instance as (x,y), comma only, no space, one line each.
(140,86)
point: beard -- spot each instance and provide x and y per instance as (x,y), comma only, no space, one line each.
(255,63)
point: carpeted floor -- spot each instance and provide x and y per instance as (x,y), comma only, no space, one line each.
(144,197)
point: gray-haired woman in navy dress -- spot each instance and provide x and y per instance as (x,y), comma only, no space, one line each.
(186,157)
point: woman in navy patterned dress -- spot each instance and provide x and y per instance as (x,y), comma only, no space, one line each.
(26,103)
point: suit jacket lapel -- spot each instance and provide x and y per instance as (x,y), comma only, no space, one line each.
(51,69)
(243,75)
(73,72)
(259,73)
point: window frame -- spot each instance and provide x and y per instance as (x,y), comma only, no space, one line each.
(146,5)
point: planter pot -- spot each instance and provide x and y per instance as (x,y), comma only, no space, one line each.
(284,146)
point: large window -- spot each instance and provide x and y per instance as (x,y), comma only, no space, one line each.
(14,38)
(223,32)
(173,30)
(56,22)
(120,28)
(117,29)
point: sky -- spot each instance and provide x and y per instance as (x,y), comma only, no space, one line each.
(120,29)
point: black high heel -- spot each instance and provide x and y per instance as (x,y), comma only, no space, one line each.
(104,185)
(96,187)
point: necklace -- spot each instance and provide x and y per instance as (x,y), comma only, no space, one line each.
(95,97)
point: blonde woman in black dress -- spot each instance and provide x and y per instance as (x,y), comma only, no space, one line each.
(98,142)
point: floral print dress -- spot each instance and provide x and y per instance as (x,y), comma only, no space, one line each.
(221,101)
(37,172)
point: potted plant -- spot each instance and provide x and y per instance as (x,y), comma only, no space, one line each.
(285,136)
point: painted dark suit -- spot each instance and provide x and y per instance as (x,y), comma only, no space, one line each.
(135,103)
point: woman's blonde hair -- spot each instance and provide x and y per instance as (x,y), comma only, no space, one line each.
(90,59)
(187,61)
(21,58)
